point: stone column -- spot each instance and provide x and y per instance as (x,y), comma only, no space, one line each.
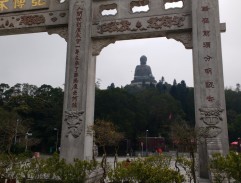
(210,108)
(76,139)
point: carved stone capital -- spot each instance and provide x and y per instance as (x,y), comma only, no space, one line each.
(184,37)
(61,31)
(99,44)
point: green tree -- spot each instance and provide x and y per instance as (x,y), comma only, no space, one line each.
(40,107)
(11,129)
(28,89)
(3,88)
(185,138)
(118,106)
(156,108)
(106,134)
(47,114)
(163,86)
(233,100)
(235,128)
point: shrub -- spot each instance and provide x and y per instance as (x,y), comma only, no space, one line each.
(150,170)
(188,166)
(39,170)
(226,167)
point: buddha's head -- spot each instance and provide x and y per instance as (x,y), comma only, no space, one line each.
(143,60)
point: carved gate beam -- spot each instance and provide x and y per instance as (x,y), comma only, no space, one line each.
(54,14)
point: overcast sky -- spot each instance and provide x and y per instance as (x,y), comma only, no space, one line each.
(40,58)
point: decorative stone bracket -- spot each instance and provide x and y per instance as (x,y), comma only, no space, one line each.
(184,37)
(99,44)
(62,32)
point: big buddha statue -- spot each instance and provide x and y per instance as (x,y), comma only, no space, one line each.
(143,74)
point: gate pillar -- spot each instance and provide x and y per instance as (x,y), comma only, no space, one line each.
(210,107)
(77,138)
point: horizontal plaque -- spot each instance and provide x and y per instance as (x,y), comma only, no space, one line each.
(10,6)
(149,24)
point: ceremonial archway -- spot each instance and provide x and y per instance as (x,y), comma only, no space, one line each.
(87,30)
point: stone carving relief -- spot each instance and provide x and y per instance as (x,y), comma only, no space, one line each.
(139,26)
(208,132)
(55,17)
(213,131)
(121,26)
(27,20)
(211,116)
(74,121)
(152,23)
(184,37)
(19,21)
(6,24)
(166,21)
(98,45)
(32,20)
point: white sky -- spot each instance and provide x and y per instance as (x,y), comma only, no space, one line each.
(40,59)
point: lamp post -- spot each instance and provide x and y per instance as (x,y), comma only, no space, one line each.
(141,149)
(57,139)
(127,145)
(26,139)
(146,143)
(16,133)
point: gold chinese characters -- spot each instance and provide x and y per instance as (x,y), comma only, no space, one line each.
(20,4)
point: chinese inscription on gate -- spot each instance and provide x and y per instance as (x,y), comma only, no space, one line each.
(75,86)
(206,44)
(7,6)
(210,115)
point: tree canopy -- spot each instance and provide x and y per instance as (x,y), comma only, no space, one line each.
(132,109)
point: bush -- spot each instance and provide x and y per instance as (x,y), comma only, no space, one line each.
(51,170)
(4,164)
(74,173)
(188,166)
(150,170)
(226,167)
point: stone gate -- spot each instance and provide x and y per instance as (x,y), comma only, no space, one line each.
(87,29)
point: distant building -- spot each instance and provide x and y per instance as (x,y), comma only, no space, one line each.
(143,74)
(151,145)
